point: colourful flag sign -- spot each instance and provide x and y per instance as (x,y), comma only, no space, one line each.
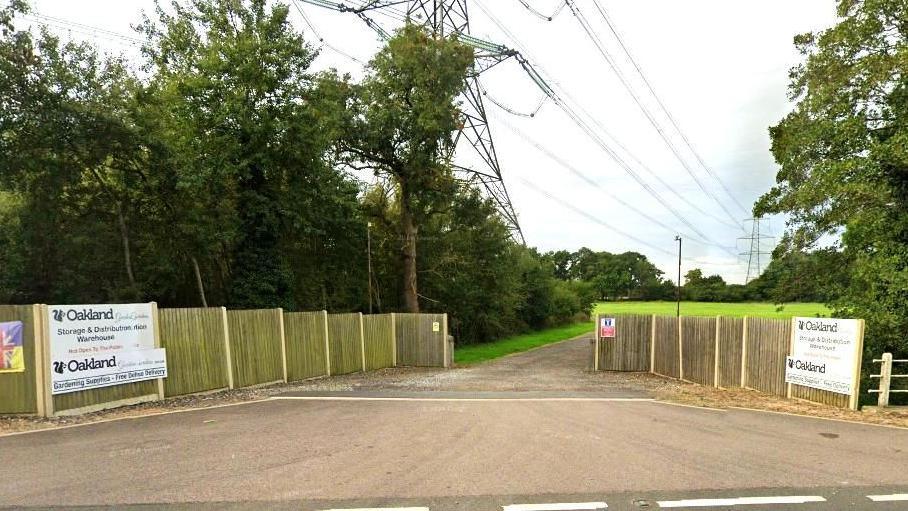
(606,327)
(11,358)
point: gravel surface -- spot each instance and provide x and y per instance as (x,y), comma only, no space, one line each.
(557,367)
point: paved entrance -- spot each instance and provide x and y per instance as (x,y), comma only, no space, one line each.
(559,369)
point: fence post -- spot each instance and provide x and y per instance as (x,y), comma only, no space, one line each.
(885,381)
(444,334)
(596,345)
(327,346)
(716,367)
(362,340)
(744,355)
(680,351)
(227,354)
(856,378)
(42,362)
(791,343)
(393,340)
(280,315)
(155,320)
(652,346)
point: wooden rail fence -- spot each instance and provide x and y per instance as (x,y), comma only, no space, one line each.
(886,376)
(211,349)
(718,351)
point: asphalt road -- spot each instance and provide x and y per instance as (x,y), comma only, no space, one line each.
(458,450)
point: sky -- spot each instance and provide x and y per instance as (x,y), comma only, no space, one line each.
(720,69)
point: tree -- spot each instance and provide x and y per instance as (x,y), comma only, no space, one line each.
(71,161)
(242,130)
(843,157)
(401,123)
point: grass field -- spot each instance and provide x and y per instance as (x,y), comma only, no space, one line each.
(763,310)
(474,353)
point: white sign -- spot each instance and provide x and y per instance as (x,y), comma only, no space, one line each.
(824,354)
(94,346)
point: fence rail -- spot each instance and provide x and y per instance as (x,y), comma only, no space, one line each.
(210,349)
(717,351)
(885,377)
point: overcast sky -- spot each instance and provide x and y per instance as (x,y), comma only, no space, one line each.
(720,68)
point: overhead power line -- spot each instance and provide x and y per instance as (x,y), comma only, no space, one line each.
(591,34)
(321,39)
(571,207)
(84,29)
(668,114)
(598,184)
(584,125)
(547,17)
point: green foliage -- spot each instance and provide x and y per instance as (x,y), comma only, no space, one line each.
(843,156)
(609,276)
(226,158)
(472,354)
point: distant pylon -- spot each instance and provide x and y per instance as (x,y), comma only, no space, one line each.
(757,256)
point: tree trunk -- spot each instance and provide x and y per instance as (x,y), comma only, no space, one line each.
(408,252)
(127,255)
(198,281)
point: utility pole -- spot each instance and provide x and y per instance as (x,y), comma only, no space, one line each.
(678,293)
(755,252)
(369,260)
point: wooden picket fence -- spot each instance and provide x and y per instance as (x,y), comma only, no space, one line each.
(212,349)
(718,351)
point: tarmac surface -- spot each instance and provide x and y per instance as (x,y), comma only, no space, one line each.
(536,440)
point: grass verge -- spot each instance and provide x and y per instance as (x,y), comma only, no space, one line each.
(474,353)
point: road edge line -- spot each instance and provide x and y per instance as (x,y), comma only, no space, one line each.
(462,399)
(117,419)
(670,403)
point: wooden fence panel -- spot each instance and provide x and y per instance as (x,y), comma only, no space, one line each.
(820,396)
(698,337)
(731,342)
(345,341)
(418,344)
(196,350)
(629,350)
(768,342)
(255,346)
(666,360)
(306,336)
(379,340)
(19,391)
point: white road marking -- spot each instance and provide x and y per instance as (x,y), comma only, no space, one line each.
(458,399)
(381,509)
(566,506)
(895,497)
(742,501)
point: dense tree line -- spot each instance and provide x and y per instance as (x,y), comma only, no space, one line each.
(792,276)
(223,170)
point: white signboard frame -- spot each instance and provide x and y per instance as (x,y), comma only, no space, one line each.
(826,354)
(95,346)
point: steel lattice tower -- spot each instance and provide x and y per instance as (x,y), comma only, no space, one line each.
(447,18)
(756,256)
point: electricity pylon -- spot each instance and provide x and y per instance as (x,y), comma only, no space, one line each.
(756,256)
(451,17)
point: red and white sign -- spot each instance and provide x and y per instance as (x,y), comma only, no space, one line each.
(606,327)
